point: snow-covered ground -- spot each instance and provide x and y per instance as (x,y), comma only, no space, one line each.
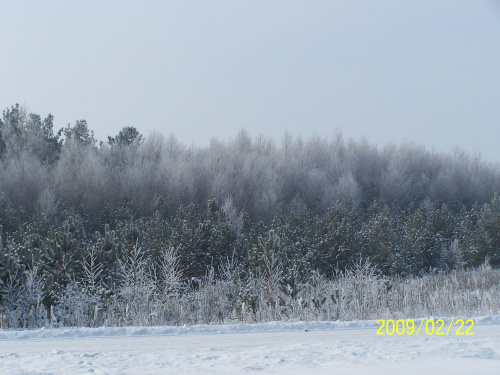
(272,348)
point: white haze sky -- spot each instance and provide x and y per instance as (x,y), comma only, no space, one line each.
(423,71)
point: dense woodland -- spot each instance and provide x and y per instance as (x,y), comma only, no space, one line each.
(145,230)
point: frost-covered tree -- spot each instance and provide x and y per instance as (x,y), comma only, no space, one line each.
(137,294)
(336,243)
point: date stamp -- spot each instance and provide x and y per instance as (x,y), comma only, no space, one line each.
(429,327)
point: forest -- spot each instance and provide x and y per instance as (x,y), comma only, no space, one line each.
(145,230)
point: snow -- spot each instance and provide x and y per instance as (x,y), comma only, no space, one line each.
(271,348)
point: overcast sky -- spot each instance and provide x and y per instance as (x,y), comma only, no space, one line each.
(424,71)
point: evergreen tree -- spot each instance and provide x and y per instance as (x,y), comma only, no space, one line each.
(63,252)
(336,242)
(79,133)
(126,137)
(487,234)
(378,238)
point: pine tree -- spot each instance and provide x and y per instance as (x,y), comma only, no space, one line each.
(336,243)
(378,237)
(62,256)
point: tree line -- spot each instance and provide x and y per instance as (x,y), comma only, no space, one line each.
(44,171)
(75,210)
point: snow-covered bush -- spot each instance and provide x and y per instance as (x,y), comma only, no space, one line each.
(23,301)
(137,298)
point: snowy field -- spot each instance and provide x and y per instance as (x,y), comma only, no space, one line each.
(272,348)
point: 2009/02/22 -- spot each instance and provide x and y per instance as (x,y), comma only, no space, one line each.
(401,327)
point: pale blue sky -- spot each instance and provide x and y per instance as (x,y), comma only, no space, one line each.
(426,71)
